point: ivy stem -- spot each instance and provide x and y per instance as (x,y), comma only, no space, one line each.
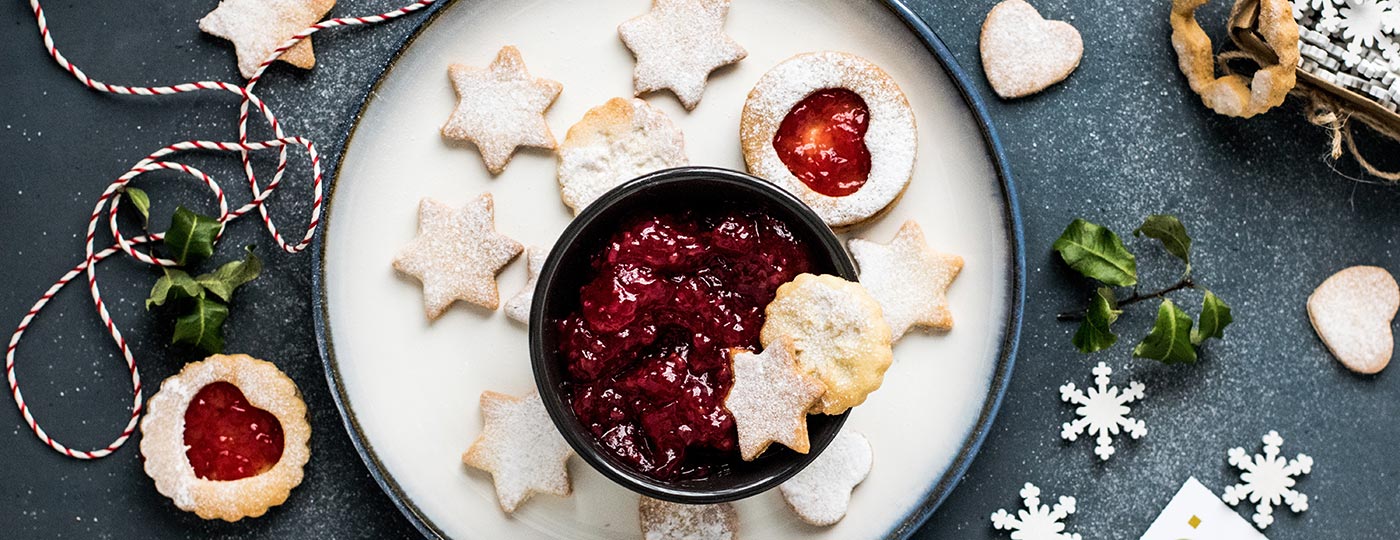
(1185,283)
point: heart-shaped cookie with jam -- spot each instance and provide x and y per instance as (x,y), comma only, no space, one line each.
(1022,53)
(1352,312)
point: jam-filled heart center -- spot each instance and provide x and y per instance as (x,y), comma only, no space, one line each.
(228,438)
(822,142)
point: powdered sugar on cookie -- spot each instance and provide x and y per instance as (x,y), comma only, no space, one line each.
(518,307)
(677,44)
(908,278)
(821,493)
(613,143)
(1352,313)
(258,27)
(501,108)
(521,448)
(769,399)
(457,254)
(1022,53)
(663,520)
(891,138)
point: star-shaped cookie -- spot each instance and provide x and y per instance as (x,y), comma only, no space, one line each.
(257,27)
(769,399)
(500,107)
(457,254)
(909,279)
(518,307)
(521,448)
(677,44)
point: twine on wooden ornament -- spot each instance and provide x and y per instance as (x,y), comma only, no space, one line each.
(111,199)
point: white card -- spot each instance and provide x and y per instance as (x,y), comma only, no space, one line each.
(1196,513)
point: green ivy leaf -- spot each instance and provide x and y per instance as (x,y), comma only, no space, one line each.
(1170,338)
(1096,333)
(227,278)
(191,236)
(1215,316)
(141,201)
(175,284)
(203,327)
(1097,253)
(1170,231)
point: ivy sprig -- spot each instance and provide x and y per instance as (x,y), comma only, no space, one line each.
(1098,253)
(200,301)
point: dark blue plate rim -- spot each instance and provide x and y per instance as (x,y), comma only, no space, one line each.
(1001,378)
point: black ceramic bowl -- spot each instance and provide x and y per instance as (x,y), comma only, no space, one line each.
(567,268)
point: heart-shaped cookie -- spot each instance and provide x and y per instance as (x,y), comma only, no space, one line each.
(1022,53)
(1352,312)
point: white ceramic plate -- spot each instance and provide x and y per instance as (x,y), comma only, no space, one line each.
(409,388)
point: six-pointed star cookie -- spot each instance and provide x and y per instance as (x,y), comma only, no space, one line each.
(909,279)
(257,27)
(677,44)
(770,397)
(500,107)
(518,307)
(457,254)
(521,448)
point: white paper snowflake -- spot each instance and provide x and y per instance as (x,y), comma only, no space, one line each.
(1362,21)
(1268,479)
(1036,522)
(1103,411)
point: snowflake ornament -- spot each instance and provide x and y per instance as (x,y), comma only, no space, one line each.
(1103,411)
(1036,522)
(1362,21)
(1268,479)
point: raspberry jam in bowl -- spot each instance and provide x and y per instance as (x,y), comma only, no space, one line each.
(634,313)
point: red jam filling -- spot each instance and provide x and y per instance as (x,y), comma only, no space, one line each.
(822,141)
(647,348)
(228,438)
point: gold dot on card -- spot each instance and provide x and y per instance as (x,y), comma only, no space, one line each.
(1194,521)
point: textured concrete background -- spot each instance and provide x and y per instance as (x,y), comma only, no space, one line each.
(1122,138)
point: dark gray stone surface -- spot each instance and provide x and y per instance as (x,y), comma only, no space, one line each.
(1122,138)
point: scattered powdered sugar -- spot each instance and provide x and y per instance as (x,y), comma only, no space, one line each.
(891,137)
(769,399)
(677,44)
(518,307)
(908,278)
(663,520)
(257,27)
(1352,312)
(1022,53)
(457,254)
(521,448)
(821,493)
(500,108)
(613,143)
(838,332)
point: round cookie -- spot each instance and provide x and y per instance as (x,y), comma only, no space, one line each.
(890,137)
(613,143)
(840,335)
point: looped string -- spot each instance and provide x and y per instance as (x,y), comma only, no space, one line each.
(112,196)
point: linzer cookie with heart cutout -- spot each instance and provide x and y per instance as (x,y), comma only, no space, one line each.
(833,129)
(226,438)
(1022,53)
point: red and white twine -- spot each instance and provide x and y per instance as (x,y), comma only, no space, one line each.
(111,197)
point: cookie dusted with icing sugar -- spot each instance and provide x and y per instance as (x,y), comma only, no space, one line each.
(1352,312)
(908,278)
(769,399)
(521,448)
(226,437)
(258,27)
(501,108)
(1022,53)
(613,143)
(663,520)
(833,129)
(839,334)
(821,493)
(518,307)
(677,44)
(457,254)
